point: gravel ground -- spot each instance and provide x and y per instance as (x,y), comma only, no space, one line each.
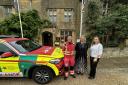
(112,71)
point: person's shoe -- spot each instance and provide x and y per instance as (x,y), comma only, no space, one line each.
(65,78)
(73,76)
(90,77)
(78,73)
(81,73)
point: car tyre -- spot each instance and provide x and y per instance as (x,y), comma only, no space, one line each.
(42,75)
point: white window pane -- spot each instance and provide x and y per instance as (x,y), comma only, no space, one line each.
(54,13)
(65,13)
(70,13)
(50,13)
(66,19)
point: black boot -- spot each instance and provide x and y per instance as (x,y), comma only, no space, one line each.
(78,73)
(91,77)
(65,78)
(73,76)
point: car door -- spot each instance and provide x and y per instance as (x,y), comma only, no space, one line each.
(9,65)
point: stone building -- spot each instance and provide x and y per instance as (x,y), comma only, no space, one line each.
(64,15)
(6,7)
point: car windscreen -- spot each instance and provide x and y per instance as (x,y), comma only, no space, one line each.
(25,45)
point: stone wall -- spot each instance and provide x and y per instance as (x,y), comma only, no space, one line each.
(1,12)
(127,42)
(115,52)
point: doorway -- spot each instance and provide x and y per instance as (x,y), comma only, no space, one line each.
(47,38)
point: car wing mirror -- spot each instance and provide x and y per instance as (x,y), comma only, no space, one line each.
(6,54)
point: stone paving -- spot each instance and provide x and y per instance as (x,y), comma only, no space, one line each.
(112,71)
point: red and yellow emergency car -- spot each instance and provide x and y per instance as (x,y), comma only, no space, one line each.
(20,57)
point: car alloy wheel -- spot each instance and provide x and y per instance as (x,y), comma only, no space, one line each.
(42,75)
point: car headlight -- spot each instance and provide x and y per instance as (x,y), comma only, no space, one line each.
(55,61)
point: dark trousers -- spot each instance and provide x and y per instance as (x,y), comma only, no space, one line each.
(81,64)
(93,66)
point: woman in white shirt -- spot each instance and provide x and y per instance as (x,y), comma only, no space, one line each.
(96,51)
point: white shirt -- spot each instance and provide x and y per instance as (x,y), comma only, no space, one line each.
(96,50)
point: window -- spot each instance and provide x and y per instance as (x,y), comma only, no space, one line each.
(68,15)
(25,46)
(7,10)
(4,48)
(64,34)
(7,6)
(52,14)
(6,2)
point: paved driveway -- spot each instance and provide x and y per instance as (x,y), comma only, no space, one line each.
(112,71)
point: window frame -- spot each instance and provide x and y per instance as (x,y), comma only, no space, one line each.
(64,36)
(7,10)
(68,14)
(52,14)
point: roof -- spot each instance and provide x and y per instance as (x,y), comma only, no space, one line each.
(13,39)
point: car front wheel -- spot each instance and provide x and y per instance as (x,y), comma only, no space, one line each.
(42,75)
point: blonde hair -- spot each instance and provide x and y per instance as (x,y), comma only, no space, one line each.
(83,37)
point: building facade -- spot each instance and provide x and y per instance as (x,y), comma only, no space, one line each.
(64,15)
(6,7)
